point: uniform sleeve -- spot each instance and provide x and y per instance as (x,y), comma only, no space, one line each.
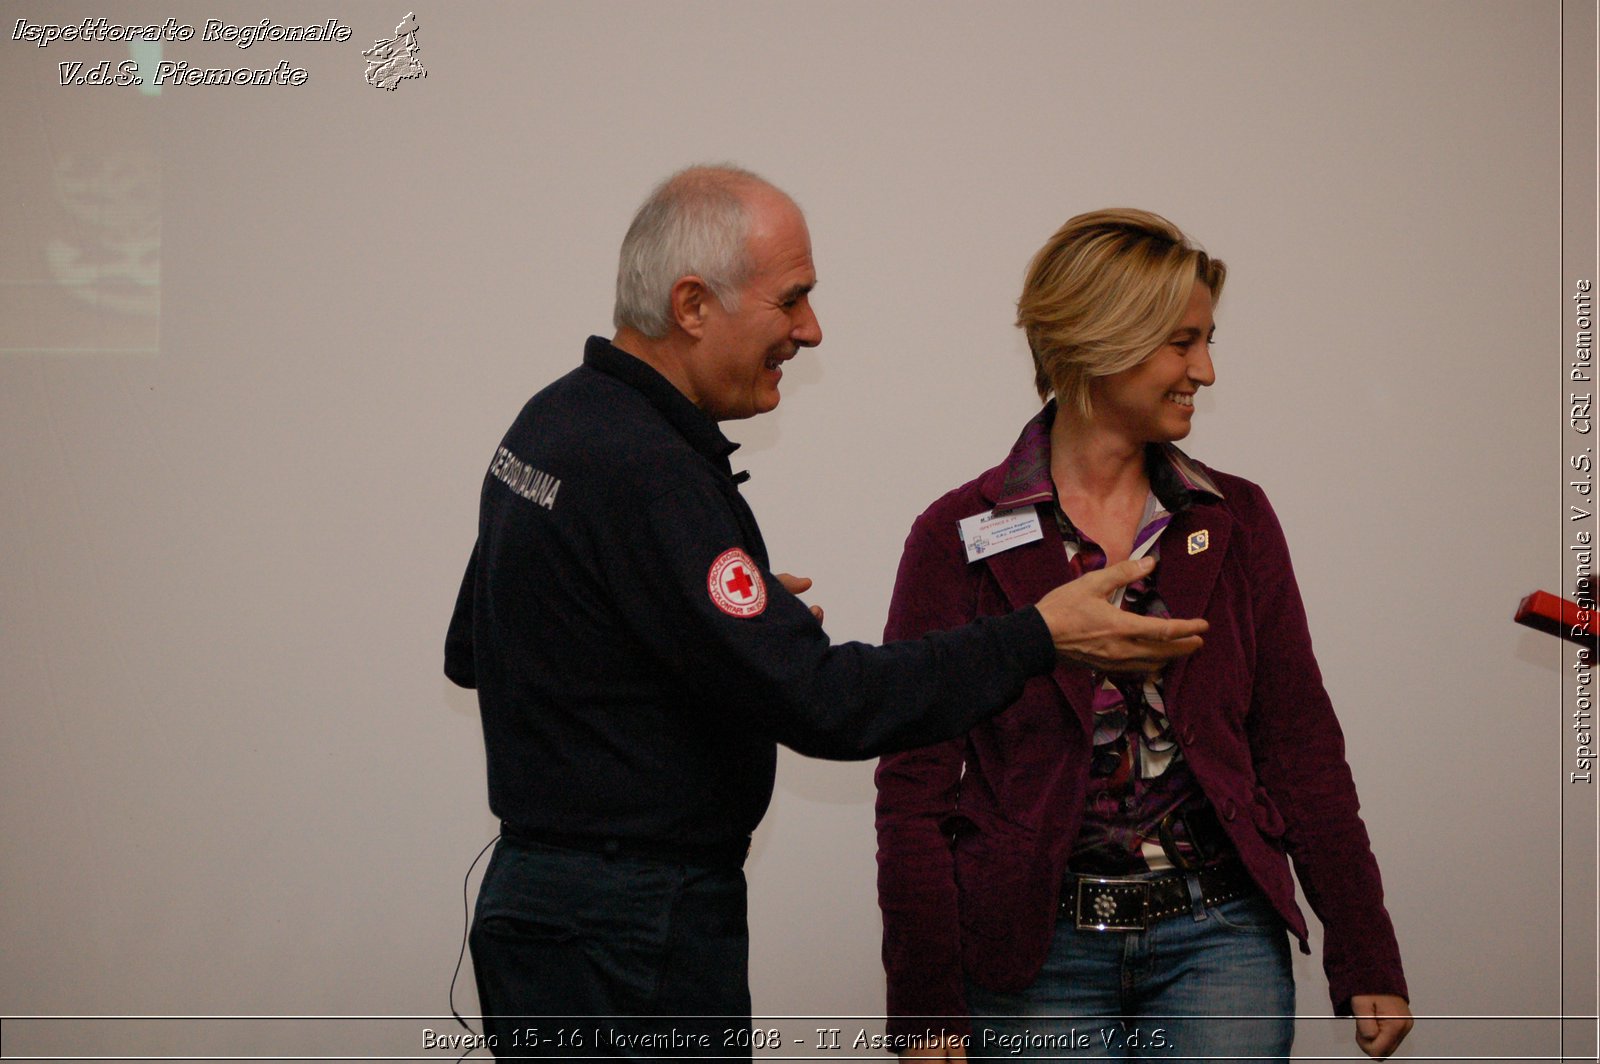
(1298,748)
(917,794)
(460,664)
(776,670)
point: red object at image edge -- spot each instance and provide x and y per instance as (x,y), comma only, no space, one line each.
(1557,616)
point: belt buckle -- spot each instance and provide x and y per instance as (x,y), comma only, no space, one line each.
(1112,904)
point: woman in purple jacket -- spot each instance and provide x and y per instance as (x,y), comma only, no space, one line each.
(1103,869)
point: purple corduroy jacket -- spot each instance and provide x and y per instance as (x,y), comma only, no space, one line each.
(974,834)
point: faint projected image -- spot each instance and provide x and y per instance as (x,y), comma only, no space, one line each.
(80,262)
(112,259)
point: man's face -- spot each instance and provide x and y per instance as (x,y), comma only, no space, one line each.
(738,362)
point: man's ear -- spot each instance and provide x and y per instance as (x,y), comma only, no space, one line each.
(691,300)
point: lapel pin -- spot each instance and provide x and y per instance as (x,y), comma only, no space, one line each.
(1199,541)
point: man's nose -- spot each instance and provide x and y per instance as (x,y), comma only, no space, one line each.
(807,331)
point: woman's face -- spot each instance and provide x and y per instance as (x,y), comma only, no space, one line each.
(1153,402)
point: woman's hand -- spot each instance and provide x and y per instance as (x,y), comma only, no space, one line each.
(1382,1023)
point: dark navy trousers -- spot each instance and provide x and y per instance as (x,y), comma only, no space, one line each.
(584,954)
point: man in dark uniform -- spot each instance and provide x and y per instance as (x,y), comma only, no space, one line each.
(637,660)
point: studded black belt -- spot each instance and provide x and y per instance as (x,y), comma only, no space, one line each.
(1095,903)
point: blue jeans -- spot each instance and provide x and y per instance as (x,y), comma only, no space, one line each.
(588,954)
(1184,989)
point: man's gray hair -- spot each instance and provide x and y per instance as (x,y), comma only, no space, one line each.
(695,222)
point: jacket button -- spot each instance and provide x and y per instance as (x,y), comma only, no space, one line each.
(1229,809)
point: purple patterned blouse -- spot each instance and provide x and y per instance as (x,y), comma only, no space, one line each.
(1145,812)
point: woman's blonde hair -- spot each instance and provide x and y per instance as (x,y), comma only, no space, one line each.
(1103,293)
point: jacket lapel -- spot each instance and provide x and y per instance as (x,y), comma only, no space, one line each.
(1192,550)
(1025,575)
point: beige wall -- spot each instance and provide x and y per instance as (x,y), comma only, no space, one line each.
(233,779)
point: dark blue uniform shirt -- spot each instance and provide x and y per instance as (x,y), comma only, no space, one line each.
(635,659)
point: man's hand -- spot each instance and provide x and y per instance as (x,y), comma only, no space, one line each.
(950,1047)
(1089,630)
(796,584)
(1382,1023)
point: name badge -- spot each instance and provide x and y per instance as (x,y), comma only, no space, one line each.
(990,533)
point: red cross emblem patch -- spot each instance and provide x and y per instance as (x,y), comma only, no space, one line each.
(735,584)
